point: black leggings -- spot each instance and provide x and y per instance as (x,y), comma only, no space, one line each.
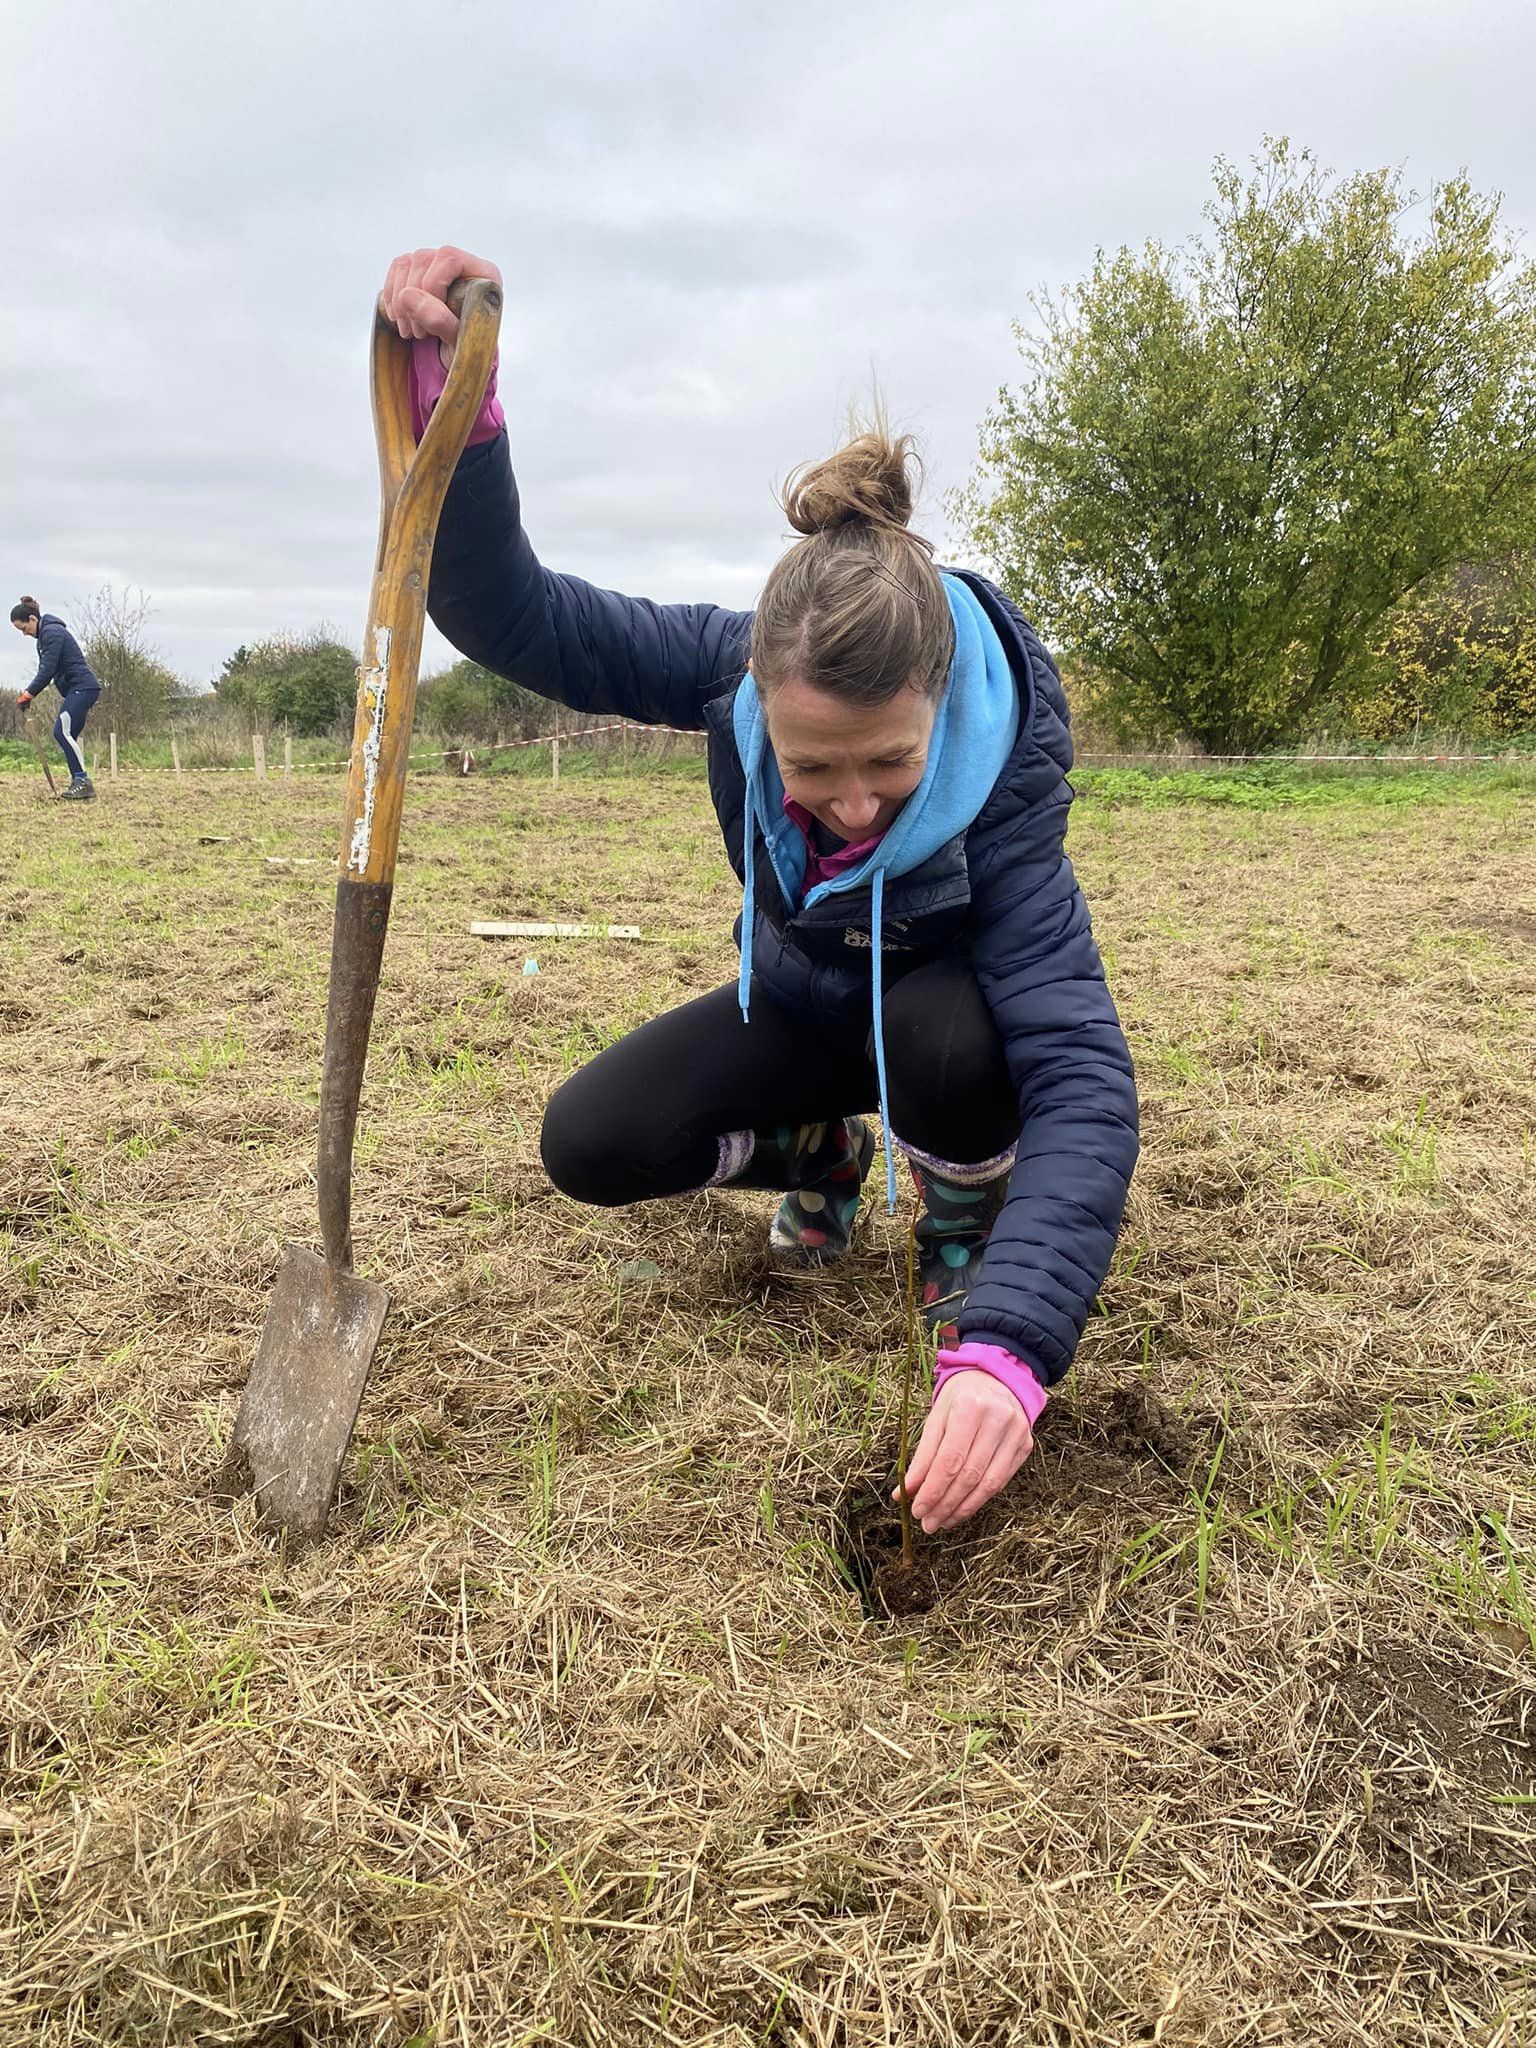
(645,1117)
(70,723)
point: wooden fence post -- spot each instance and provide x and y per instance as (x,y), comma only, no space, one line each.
(175,757)
(259,756)
(288,754)
(554,760)
(112,755)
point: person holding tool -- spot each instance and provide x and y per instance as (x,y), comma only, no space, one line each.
(888,748)
(60,662)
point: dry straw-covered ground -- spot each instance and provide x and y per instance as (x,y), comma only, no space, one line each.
(578,1730)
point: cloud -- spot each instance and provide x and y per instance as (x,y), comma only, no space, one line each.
(720,227)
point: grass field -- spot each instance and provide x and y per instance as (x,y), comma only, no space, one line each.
(578,1730)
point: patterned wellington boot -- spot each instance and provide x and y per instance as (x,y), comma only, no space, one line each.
(823,1166)
(952,1231)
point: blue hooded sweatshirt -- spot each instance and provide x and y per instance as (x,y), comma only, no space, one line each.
(974,731)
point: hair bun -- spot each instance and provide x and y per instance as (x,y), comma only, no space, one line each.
(867,483)
(30,602)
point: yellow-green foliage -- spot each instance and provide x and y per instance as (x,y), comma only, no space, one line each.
(1228,462)
(306,681)
(1458,655)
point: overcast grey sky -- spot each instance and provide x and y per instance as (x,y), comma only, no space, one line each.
(718,224)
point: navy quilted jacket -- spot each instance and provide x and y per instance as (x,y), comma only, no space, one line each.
(1002,893)
(59,660)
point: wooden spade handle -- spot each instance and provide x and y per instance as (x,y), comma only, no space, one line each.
(414,481)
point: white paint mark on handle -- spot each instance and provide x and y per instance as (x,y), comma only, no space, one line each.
(374,682)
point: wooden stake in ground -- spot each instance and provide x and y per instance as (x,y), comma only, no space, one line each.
(175,757)
(288,756)
(554,759)
(112,755)
(259,756)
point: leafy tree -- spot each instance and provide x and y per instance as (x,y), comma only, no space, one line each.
(1227,463)
(468,702)
(307,681)
(456,705)
(316,693)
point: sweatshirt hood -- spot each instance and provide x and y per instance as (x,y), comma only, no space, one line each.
(974,731)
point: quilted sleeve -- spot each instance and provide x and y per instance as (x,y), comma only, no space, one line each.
(1033,952)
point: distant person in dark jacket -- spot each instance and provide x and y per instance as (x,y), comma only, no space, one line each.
(60,662)
(888,749)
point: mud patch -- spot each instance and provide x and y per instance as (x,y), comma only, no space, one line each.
(22,1407)
(869,1549)
(1462,1716)
(1140,1424)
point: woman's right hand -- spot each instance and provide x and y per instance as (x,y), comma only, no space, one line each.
(415,295)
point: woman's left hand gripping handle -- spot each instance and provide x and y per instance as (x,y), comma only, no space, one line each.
(415,294)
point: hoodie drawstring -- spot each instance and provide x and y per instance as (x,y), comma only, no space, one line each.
(877,979)
(748,906)
(876,921)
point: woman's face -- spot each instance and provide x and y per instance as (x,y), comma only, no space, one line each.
(852,766)
(27,626)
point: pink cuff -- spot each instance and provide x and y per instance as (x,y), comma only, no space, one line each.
(998,1364)
(428,378)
